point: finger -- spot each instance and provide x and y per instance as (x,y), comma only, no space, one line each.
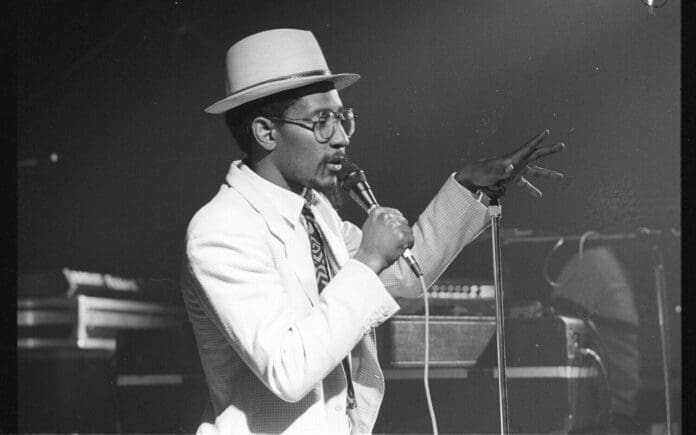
(391,211)
(404,234)
(529,147)
(529,187)
(541,152)
(538,171)
(409,240)
(386,213)
(400,220)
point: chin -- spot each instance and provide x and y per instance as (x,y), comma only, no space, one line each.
(328,186)
(325,182)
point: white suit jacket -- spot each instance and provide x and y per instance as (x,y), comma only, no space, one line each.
(270,346)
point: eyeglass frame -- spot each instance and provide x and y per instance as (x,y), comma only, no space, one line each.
(336,116)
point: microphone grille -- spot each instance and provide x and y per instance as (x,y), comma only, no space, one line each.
(349,175)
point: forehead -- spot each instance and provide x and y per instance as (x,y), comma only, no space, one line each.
(311,103)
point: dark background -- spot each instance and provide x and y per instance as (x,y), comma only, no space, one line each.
(117,89)
(115,92)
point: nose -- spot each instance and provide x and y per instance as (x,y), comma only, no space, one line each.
(339,139)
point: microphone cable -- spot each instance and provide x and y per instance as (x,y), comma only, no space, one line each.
(431,410)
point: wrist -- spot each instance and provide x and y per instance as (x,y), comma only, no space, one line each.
(462,177)
(467,184)
(370,261)
(478,192)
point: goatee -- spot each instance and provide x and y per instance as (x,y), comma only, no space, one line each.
(332,192)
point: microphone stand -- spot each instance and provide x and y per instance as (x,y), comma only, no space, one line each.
(495,209)
(661,296)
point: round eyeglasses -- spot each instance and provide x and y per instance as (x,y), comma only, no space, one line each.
(324,123)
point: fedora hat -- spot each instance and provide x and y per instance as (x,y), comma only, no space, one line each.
(273,61)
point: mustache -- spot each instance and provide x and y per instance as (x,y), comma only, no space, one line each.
(336,158)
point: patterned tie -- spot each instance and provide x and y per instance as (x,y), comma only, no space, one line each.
(321,268)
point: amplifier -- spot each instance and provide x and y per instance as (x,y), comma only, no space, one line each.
(455,341)
(458,289)
(469,341)
(542,341)
(551,387)
(456,297)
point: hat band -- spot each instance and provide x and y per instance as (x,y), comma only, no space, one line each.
(318,72)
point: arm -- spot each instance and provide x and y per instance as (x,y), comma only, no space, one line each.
(287,343)
(452,220)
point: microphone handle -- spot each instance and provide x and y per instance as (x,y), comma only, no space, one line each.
(407,254)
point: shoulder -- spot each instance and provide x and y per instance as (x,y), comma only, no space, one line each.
(227,212)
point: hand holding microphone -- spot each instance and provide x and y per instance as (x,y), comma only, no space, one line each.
(386,233)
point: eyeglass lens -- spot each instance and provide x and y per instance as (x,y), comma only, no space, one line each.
(327,128)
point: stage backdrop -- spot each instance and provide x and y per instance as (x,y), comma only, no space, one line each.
(115,153)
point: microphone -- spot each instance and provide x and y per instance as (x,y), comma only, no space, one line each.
(352,179)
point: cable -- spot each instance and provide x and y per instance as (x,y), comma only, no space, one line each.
(590,352)
(586,351)
(599,356)
(581,244)
(548,279)
(431,410)
(559,243)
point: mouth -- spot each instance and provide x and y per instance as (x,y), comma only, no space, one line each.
(335,164)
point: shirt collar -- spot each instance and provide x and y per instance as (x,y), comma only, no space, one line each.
(288,203)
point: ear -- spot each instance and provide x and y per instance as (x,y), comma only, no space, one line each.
(263,132)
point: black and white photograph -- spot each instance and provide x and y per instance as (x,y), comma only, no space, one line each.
(348,217)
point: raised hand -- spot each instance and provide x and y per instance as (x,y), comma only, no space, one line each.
(491,175)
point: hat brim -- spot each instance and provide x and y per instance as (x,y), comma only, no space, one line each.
(340,81)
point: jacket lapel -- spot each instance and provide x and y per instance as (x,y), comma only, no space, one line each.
(277,225)
(331,233)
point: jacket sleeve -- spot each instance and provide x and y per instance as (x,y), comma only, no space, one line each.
(289,344)
(452,219)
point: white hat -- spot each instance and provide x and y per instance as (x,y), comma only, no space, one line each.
(273,61)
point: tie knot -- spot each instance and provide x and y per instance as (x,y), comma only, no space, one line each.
(308,214)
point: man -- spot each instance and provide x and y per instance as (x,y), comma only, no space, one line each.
(597,287)
(282,294)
